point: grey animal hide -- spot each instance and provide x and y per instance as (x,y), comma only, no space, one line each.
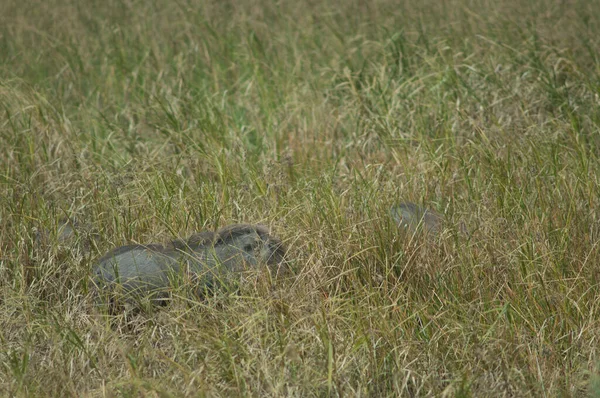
(205,258)
(412,216)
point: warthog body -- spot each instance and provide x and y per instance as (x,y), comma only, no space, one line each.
(412,217)
(206,259)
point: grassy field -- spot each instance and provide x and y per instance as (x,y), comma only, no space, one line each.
(149,120)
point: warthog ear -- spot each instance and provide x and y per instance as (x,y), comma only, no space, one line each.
(412,216)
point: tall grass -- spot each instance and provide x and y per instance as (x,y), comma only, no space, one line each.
(146,121)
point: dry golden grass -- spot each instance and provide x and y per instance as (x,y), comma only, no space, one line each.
(147,121)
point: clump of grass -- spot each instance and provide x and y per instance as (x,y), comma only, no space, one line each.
(149,122)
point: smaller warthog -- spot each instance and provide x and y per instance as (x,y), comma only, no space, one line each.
(412,217)
(206,259)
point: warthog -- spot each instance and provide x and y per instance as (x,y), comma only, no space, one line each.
(205,259)
(412,216)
